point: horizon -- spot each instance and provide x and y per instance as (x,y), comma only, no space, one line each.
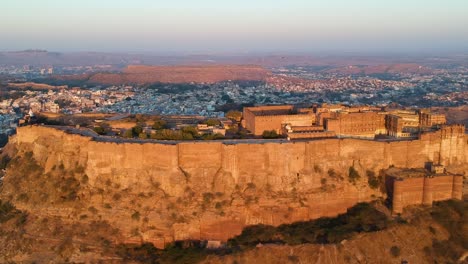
(210,27)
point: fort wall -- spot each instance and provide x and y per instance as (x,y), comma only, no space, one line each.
(283,179)
(425,190)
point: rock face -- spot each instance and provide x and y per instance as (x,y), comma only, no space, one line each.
(209,190)
(141,74)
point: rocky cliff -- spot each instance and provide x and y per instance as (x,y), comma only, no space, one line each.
(204,190)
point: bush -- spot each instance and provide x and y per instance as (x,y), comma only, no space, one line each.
(99,130)
(270,134)
(353,175)
(395,251)
(234,115)
(212,122)
(372,180)
(317,169)
(136,216)
(128,133)
(4,162)
(159,124)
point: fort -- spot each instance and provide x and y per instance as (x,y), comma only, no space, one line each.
(325,121)
(211,190)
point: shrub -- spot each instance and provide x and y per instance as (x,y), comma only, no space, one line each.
(99,130)
(251,185)
(116,197)
(353,175)
(372,180)
(317,168)
(235,115)
(128,133)
(207,197)
(159,124)
(212,122)
(4,162)
(93,210)
(136,216)
(395,251)
(84,179)
(270,134)
(79,169)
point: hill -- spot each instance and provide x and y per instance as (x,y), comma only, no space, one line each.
(142,74)
(408,68)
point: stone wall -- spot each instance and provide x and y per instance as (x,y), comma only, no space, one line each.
(425,190)
(262,183)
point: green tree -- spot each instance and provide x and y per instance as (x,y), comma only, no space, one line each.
(128,133)
(100,130)
(213,122)
(137,129)
(159,124)
(190,130)
(234,115)
(268,134)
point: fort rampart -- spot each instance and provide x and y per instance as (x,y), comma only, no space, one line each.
(425,190)
(262,182)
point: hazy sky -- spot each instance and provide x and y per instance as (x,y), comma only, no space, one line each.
(234,25)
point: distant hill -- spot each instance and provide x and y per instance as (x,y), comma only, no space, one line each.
(142,74)
(380,69)
(394,62)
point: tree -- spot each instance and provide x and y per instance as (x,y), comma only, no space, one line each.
(227,98)
(100,130)
(213,122)
(234,115)
(190,130)
(269,134)
(128,133)
(159,124)
(137,129)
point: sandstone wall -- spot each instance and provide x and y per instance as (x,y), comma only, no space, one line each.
(211,190)
(425,190)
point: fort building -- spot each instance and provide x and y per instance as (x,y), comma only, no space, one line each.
(431,119)
(358,124)
(267,118)
(401,124)
(326,121)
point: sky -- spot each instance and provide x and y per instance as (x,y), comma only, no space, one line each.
(235,26)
